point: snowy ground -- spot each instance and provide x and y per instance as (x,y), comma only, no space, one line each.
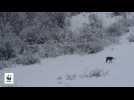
(73,70)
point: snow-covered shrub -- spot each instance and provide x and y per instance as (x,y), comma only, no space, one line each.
(59,78)
(4,64)
(131,38)
(67,77)
(98,73)
(68,48)
(26,49)
(130,19)
(91,36)
(117,29)
(88,48)
(30,35)
(6,51)
(9,46)
(70,76)
(96,47)
(130,22)
(50,50)
(26,59)
(95,73)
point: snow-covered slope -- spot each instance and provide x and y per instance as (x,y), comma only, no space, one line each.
(73,70)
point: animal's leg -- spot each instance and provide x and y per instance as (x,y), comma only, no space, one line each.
(111,61)
(106,61)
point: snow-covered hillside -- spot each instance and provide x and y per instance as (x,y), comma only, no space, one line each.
(73,70)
